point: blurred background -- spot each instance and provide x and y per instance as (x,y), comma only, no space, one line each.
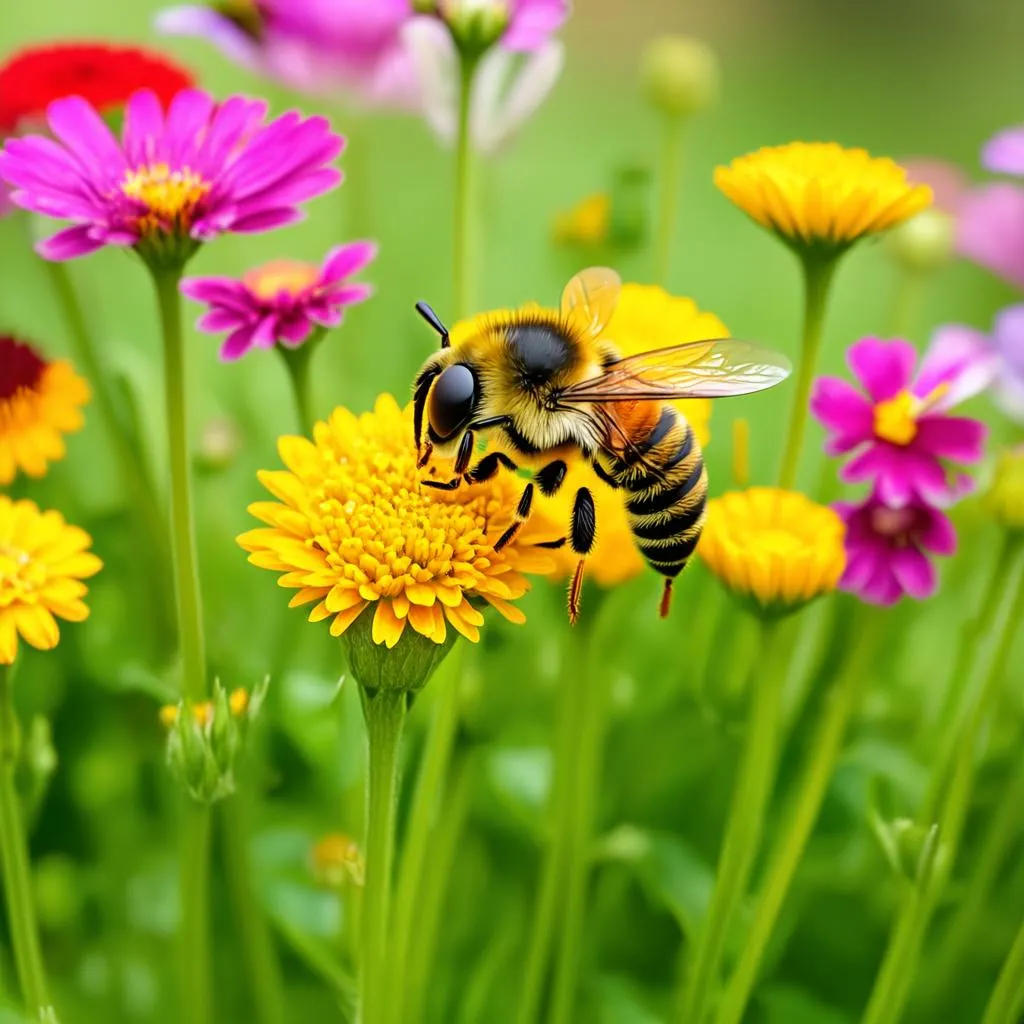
(906,78)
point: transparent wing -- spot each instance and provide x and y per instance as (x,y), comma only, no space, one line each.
(717,368)
(589,299)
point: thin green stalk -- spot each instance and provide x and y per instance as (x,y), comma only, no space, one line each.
(668,199)
(297,362)
(899,966)
(21,914)
(800,819)
(193,933)
(743,829)
(262,969)
(590,713)
(385,718)
(426,802)
(817,280)
(461,289)
(906,302)
(1006,1004)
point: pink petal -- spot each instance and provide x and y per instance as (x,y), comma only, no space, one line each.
(842,408)
(947,181)
(267,220)
(1008,338)
(952,437)
(216,321)
(69,244)
(1004,153)
(237,344)
(344,260)
(914,573)
(990,230)
(960,359)
(938,534)
(883,367)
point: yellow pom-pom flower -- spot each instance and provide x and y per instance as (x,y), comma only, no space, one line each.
(586,223)
(819,196)
(774,549)
(40,402)
(352,528)
(43,561)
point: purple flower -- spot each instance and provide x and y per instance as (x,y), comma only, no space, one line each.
(320,47)
(991,230)
(1004,153)
(899,430)
(887,549)
(173,181)
(281,302)
(1008,342)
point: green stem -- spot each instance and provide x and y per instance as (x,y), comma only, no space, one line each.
(817,280)
(801,817)
(745,824)
(186,564)
(21,915)
(463,152)
(416,852)
(1006,1003)
(384,711)
(194,938)
(262,969)
(899,966)
(590,725)
(906,302)
(297,361)
(668,201)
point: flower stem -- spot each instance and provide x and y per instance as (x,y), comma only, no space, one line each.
(18,888)
(668,199)
(413,870)
(743,829)
(463,152)
(990,652)
(906,302)
(803,813)
(384,711)
(1006,1003)
(194,879)
(262,968)
(817,280)
(297,361)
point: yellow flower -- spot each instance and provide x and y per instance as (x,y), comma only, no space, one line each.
(586,223)
(1005,499)
(336,860)
(772,548)
(818,195)
(354,528)
(202,711)
(39,403)
(43,561)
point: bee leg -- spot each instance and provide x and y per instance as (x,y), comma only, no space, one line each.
(465,454)
(582,531)
(488,466)
(443,485)
(522,514)
(551,477)
(604,475)
(666,598)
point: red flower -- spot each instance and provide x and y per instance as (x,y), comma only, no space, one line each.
(104,75)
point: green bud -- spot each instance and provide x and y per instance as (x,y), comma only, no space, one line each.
(219,444)
(406,667)
(205,739)
(912,850)
(1005,498)
(475,25)
(680,75)
(924,243)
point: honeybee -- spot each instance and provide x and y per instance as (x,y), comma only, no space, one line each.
(552,390)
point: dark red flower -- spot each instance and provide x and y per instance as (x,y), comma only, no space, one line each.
(103,75)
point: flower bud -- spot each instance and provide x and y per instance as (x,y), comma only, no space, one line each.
(912,850)
(1005,498)
(205,738)
(924,243)
(475,25)
(680,75)
(219,444)
(336,861)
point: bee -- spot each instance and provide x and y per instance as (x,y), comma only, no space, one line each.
(552,388)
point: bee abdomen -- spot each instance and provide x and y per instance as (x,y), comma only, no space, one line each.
(667,490)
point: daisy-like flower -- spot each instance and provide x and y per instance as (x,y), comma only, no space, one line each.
(174,181)
(775,550)
(819,196)
(353,532)
(282,302)
(887,549)
(899,425)
(318,47)
(43,561)
(40,401)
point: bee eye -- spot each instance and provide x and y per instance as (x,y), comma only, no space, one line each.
(452,400)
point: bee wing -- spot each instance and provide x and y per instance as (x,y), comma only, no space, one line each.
(589,299)
(717,368)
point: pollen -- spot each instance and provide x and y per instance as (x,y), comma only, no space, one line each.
(169,198)
(281,277)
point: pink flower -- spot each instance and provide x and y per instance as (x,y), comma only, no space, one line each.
(318,47)
(948,182)
(991,230)
(887,549)
(173,181)
(1008,342)
(1004,153)
(282,302)
(899,429)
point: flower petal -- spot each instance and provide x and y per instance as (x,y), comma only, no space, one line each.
(883,367)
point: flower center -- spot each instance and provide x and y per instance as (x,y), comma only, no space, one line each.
(896,418)
(169,197)
(898,524)
(287,277)
(20,368)
(19,575)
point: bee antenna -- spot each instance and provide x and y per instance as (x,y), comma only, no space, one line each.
(434,320)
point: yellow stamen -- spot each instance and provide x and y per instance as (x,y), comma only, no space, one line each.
(290,277)
(896,418)
(170,197)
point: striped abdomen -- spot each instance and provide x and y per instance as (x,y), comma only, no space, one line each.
(666,485)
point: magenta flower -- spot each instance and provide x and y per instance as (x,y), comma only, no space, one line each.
(899,430)
(173,181)
(320,47)
(282,302)
(887,549)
